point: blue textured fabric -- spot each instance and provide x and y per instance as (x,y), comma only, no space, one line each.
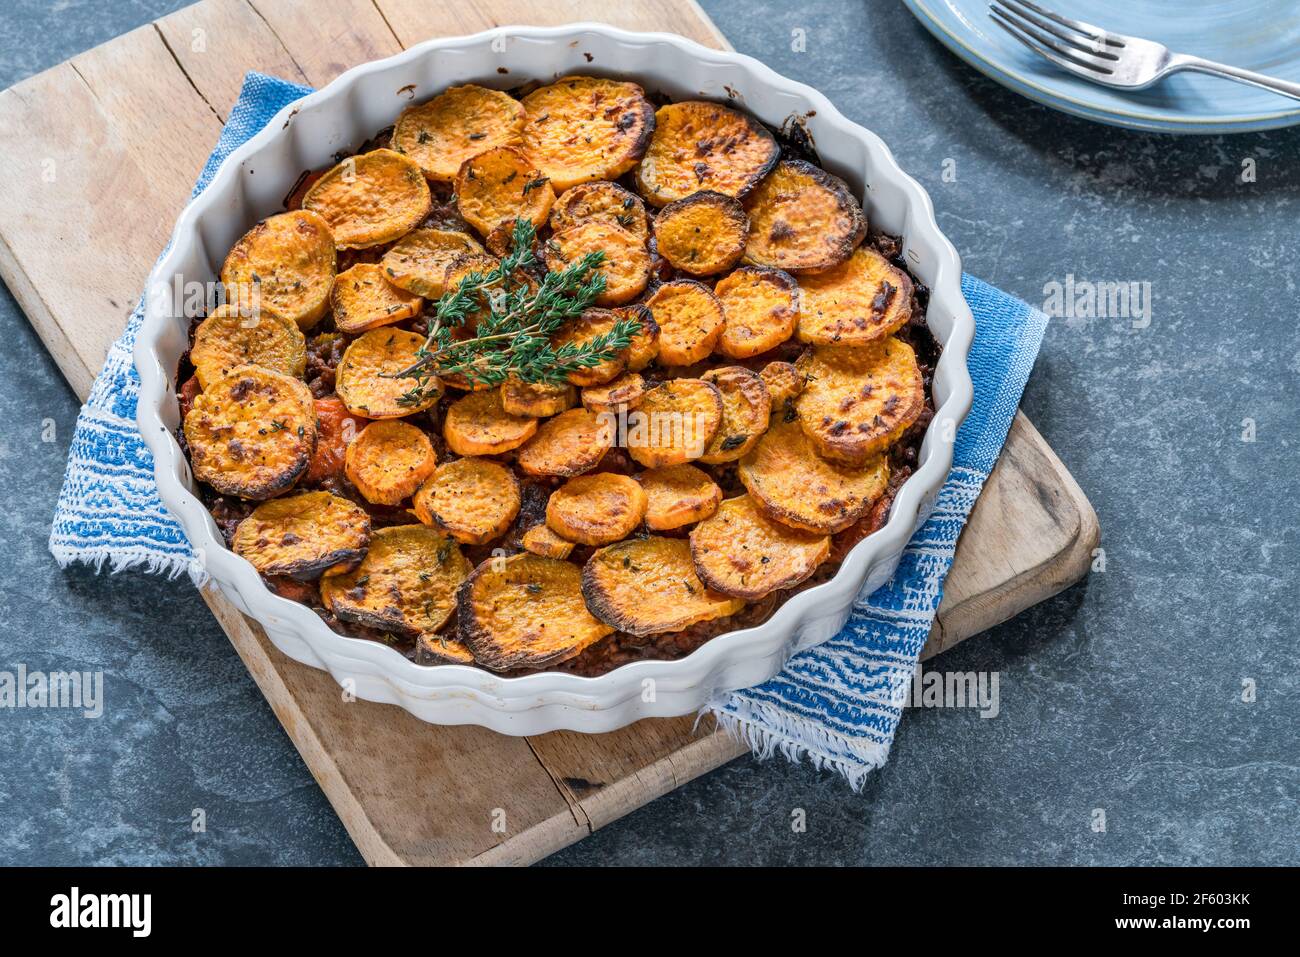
(837,704)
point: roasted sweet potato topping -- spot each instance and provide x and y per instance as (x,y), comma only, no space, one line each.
(456,125)
(859,301)
(739,551)
(285,265)
(760,308)
(678,495)
(478,424)
(596,509)
(363,298)
(585,128)
(251,433)
(365,376)
(389,460)
(370,199)
(802,219)
(571,443)
(495,188)
(776,348)
(604,201)
(226,340)
(406,584)
(303,535)
(859,401)
(525,611)
(690,321)
(645,586)
(473,499)
(702,234)
(795,486)
(698,146)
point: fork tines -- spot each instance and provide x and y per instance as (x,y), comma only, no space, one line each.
(1071,44)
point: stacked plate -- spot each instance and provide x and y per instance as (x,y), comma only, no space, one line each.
(1261,35)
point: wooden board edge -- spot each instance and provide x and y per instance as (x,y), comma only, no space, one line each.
(47,329)
(1033,585)
(700,756)
(298,726)
(707,22)
(255,650)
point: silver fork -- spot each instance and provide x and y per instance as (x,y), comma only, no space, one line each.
(1111,59)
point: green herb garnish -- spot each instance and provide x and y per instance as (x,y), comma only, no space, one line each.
(515,320)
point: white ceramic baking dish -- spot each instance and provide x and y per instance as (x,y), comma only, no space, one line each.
(252,184)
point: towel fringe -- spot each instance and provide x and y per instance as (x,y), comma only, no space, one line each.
(766,730)
(129,559)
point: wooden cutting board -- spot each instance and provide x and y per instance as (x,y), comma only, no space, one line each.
(99,155)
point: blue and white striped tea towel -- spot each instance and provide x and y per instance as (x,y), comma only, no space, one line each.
(834,704)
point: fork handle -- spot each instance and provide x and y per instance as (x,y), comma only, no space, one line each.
(1198,65)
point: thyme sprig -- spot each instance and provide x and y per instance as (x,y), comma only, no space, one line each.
(515,320)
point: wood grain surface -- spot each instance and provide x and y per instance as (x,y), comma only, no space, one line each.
(100,155)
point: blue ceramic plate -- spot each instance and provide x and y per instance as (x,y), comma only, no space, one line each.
(1262,35)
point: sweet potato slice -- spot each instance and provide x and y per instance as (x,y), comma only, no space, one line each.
(536,399)
(419,261)
(745,410)
(678,495)
(389,460)
(473,499)
(571,443)
(360,378)
(625,392)
(541,540)
(646,586)
(364,299)
(802,219)
(495,188)
(336,427)
(675,422)
(525,611)
(581,331)
(702,234)
(698,145)
(251,433)
(784,382)
(741,552)
(644,347)
(438,649)
(863,299)
(859,399)
(627,263)
(690,321)
(458,123)
(585,128)
(796,487)
(304,535)
(406,584)
(478,424)
(596,509)
(603,201)
(761,309)
(285,265)
(370,199)
(226,340)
